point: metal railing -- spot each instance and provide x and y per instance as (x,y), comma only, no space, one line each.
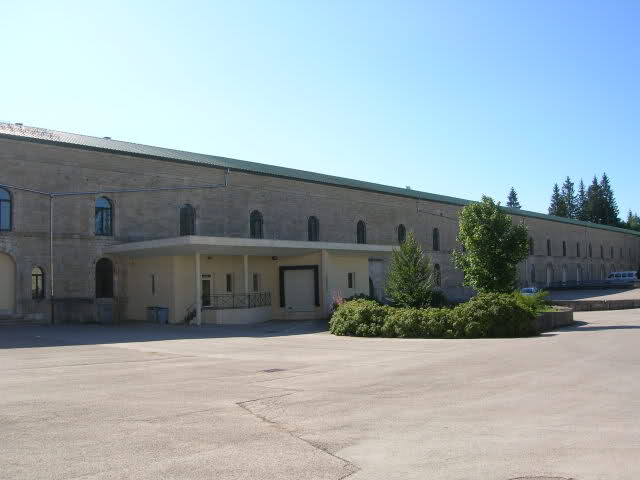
(236,300)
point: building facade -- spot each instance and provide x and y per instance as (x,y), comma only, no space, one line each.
(118,231)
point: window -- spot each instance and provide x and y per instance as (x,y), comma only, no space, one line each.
(564,248)
(361,232)
(104,217)
(255,225)
(256,282)
(351,280)
(437,275)
(187,220)
(533,275)
(314,229)
(548,247)
(436,239)
(5,210)
(611,252)
(621,253)
(601,251)
(590,252)
(229,283)
(104,278)
(37,283)
(530,245)
(402,234)
(153,284)
(578,249)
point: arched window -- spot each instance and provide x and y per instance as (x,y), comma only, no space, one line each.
(104,217)
(548,247)
(601,251)
(436,239)
(104,278)
(590,252)
(578,249)
(437,275)
(313,229)
(402,234)
(361,232)
(530,245)
(255,225)
(187,220)
(37,283)
(564,248)
(5,210)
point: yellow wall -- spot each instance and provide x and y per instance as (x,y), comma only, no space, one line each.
(7,283)
(139,285)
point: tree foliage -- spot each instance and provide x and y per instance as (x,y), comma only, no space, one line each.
(410,281)
(512,199)
(492,247)
(558,206)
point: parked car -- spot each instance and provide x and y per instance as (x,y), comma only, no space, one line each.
(622,277)
(528,291)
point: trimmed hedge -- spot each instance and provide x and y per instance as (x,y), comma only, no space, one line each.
(486,315)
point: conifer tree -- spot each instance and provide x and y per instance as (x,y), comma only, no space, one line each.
(569,195)
(594,205)
(610,209)
(581,203)
(558,207)
(512,199)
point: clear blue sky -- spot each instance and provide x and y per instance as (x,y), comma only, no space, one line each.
(461,98)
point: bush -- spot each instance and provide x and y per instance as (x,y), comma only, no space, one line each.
(358,318)
(537,302)
(486,315)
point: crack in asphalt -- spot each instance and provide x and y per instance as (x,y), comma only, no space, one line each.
(244,405)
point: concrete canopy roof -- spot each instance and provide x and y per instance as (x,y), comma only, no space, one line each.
(189,245)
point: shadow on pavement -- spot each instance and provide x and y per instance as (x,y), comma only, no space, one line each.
(61,335)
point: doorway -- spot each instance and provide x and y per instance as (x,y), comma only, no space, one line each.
(207,290)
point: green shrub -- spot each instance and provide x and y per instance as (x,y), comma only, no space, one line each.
(493,315)
(359,318)
(486,315)
(537,302)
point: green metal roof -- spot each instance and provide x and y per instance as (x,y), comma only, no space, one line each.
(41,135)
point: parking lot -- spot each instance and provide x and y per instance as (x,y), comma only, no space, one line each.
(290,401)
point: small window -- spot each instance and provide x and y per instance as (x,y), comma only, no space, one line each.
(590,252)
(611,252)
(548,247)
(578,249)
(530,245)
(361,232)
(255,225)
(256,282)
(436,239)
(351,280)
(153,284)
(564,248)
(601,251)
(187,220)
(104,217)
(437,275)
(402,234)
(5,210)
(621,253)
(37,283)
(313,229)
(229,282)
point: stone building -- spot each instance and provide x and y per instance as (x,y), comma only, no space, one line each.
(119,231)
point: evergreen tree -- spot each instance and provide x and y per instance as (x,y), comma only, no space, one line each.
(558,206)
(594,206)
(569,195)
(609,205)
(581,203)
(512,199)
(410,281)
(633,221)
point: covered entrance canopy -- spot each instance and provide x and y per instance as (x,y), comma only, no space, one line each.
(292,272)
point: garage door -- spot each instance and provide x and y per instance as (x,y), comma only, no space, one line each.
(299,290)
(7,283)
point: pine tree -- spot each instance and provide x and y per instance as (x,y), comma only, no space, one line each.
(594,205)
(410,281)
(581,203)
(610,209)
(633,221)
(558,206)
(569,195)
(512,199)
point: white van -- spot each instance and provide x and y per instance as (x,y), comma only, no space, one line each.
(622,277)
